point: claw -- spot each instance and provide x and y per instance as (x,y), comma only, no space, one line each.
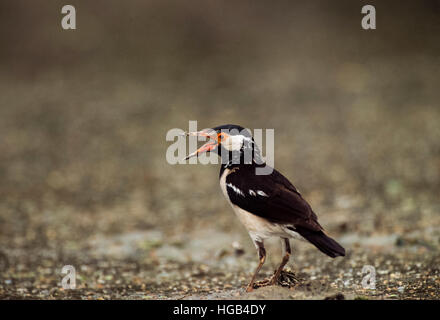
(273,281)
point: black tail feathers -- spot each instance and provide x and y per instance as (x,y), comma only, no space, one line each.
(324,243)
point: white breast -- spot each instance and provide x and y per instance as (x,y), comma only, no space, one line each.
(258,228)
(223,183)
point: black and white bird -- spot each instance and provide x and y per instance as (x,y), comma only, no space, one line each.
(267,205)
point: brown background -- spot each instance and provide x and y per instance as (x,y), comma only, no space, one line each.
(84,114)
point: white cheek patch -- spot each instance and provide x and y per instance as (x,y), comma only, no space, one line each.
(233,143)
(236,190)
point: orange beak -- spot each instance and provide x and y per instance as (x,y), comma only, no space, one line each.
(205,148)
(215,140)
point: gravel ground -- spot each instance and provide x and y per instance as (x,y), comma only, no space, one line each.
(132,230)
(84,115)
(152,268)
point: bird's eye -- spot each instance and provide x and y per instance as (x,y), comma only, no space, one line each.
(222,137)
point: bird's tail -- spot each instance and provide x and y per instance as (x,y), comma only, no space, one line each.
(324,243)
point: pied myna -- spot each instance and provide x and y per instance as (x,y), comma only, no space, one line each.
(267,205)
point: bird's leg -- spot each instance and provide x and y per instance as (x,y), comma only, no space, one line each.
(283,262)
(262,255)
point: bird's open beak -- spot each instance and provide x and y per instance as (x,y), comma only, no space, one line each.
(209,146)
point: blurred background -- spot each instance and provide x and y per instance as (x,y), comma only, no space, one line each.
(84,114)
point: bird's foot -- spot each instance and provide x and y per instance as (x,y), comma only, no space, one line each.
(287,279)
(261,283)
(273,280)
(250,287)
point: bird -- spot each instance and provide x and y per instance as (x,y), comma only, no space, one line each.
(268,205)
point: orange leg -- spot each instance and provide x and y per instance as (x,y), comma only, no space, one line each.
(262,255)
(283,262)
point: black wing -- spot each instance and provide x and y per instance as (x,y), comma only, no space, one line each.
(272,197)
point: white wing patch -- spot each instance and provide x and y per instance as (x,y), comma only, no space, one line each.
(259,192)
(236,190)
(262,193)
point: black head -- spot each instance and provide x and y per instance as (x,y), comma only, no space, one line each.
(229,127)
(231,142)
